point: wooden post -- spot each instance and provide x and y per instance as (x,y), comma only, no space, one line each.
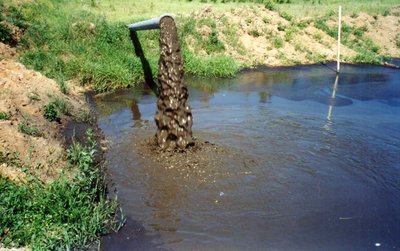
(338,45)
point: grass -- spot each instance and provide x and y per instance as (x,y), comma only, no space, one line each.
(29,128)
(5,116)
(84,115)
(126,10)
(66,214)
(277,42)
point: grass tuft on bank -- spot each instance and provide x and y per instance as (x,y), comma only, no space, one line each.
(68,213)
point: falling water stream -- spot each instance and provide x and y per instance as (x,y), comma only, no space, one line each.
(174,116)
(303,161)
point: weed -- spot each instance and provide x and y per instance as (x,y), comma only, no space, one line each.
(84,115)
(64,88)
(303,24)
(66,214)
(34,96)
(316,58)
(270,6)
(318,37)
(56,106)
(290,33)
(281,27)
(29,128)
(63,106)
(286,16)
(51,112)
(354,15)
(367,57)
(398,40)
(5,116)
(386,13)
(359,32)
(277,42)
(298,47)
(254,33)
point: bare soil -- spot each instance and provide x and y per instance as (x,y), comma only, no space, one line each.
(23,94)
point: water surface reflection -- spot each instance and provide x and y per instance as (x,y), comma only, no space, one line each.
(318,165)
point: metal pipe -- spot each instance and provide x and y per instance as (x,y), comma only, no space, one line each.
(150,24)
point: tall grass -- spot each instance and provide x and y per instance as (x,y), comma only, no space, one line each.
(66,214)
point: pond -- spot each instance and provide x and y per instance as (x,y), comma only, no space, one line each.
(313,163)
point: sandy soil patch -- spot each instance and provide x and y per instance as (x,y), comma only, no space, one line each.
(23,95)
(266,38)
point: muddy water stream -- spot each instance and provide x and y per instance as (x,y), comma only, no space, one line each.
(308,162)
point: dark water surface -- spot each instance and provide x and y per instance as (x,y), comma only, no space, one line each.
(325,175)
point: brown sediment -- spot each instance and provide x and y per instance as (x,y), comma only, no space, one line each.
(174,116)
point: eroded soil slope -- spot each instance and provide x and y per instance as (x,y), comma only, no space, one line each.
(29,143)
(259,36)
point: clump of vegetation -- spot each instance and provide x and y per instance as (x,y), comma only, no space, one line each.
(286,16)
(289,33)
(51,112)
(254,33)
(65,214)
(277,42)
(29,128)
(270,6)
(5,116)
(84,115)
(54,108)
(34,96)
(398,40)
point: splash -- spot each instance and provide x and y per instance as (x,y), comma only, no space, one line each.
(174,116)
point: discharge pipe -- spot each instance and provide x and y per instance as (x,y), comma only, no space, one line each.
(150,24)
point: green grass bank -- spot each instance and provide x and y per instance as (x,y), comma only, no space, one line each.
(67,214)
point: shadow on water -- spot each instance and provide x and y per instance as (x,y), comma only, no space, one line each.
(148,74)
(311,163)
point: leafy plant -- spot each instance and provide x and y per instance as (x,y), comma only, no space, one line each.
(5,116)
(270,6)
(277,42)
(51,112)
(53,109)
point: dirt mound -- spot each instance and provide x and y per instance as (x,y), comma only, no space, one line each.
(270,38)
(203,161)
(7,52)
(30,144)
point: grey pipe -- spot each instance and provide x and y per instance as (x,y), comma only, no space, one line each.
(153,23)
